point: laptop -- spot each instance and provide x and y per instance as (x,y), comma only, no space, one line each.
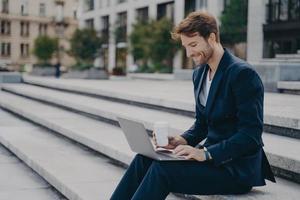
(139,141)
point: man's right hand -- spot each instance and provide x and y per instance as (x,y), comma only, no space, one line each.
(174,141)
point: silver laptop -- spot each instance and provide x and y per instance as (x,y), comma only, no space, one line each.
(139,141)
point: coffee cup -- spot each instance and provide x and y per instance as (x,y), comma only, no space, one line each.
(161,130)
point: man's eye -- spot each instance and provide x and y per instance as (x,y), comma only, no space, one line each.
(193,45)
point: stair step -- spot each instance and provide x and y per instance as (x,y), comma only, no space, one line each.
(75,171)
(282,151)
(281,112)
(62,163)
(18,181)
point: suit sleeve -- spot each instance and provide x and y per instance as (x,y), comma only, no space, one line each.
(249,93)
(198,130)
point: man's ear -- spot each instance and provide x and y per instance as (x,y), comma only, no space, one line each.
(212,38)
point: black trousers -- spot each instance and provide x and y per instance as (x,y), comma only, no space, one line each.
(148,179)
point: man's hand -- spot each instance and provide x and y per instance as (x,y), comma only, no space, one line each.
(190,152)
(174,141)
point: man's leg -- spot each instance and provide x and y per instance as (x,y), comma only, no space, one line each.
(132,178)
(189,177)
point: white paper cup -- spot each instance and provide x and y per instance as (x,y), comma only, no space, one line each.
(161,130)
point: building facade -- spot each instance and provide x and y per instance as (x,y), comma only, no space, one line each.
(273,28)
(107,15)
(21,21)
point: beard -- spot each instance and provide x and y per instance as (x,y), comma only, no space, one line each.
(205,54)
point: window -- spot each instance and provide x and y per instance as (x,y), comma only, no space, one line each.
(189,6)
(5,49)
(142,14)
(121,32)
(89,5)
(24,7)
(5,27)
(43,29)
(24,31)
(5,6)
(24,50)
(42,9)
(295,10)
(105,28)
(165,10)
(283,16)
(283,10)
(89,23)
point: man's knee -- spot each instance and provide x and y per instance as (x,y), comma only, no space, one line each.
(160,168)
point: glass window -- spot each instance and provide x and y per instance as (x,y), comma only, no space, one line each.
(24,7)
(142,14)
(42,9)
(295,9)
(121,31)
(283,10)
(89,23)
(89,4)
(5,27)
(5,6)
(165,10)
(5,49)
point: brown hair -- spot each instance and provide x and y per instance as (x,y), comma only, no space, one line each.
(197,22)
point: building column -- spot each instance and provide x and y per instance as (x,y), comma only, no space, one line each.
(179,10)
(130,22)
(255,41)
(112,43)
(153,10)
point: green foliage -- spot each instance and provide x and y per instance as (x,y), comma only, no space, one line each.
(163,47)
(234,22)
(84,46)
(44,47)
(151,41)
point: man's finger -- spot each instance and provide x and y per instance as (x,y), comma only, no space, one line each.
(178,148)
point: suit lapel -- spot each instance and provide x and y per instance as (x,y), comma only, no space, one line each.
(216,81)
(204,73)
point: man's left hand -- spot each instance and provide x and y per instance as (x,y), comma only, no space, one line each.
(190,152)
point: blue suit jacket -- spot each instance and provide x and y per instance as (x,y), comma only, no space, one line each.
(232,120)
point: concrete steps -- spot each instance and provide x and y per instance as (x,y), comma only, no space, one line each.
(282,151)
(281,110)
(18,181)
(285,159)
(74,170)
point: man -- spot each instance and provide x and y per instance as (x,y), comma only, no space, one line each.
(229,113)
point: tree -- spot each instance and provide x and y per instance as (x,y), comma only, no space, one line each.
(151,41)
(44,47)
(234,22)
(84,47)
(163,47)
(141,40)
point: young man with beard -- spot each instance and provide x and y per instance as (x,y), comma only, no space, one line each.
(229,114)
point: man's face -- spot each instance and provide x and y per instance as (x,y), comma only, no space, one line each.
(197,48)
